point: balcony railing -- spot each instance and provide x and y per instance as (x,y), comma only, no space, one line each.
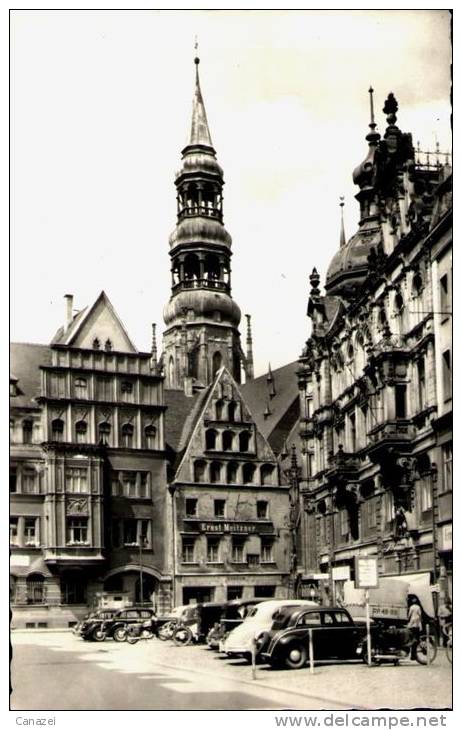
(205,210)
(216,285)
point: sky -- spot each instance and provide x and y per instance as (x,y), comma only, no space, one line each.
(101,108)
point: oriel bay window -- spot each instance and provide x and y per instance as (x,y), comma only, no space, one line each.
(131,484)
(77,530)
(76,480)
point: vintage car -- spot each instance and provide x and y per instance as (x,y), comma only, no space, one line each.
(232,615)
(252,633)
(335,636)
(89,627)
(115,626)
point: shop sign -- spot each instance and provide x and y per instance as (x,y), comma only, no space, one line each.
(366,572)
(234,527)
(341,572)
(19,561)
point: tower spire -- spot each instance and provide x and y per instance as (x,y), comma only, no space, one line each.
(342,222)
(200,133)
(249,343)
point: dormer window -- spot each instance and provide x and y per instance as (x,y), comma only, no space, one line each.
(96,344)
(108,345)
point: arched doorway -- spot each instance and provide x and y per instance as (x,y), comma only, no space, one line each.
(126,582)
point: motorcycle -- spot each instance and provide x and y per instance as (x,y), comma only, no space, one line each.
(166,631)
(139,631)
(391,644)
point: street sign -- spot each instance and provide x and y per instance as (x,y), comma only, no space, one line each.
(366,572)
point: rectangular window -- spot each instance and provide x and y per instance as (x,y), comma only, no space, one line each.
(144,533)
(28,481)
(144,485)
(30,531)
(447,467)
(14,533)
(447,375)
(13,480)
(262,509)
(253,559)
(310,464)
(234,592)
(267,550)
(445,296)
(127,391)
(371,512)
(58,385)
(421,385)
(130,532)
(191,507)
(129,484)
(213,546)
(344,523)
(76,480)
(400,401)
(237,550)
(188,549)
(77,530)
(219,507)
(426,494)
(352,419)
(104,389)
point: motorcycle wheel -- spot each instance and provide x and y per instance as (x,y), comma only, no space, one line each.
(182,636)
(165,632)
(296,656)
(421,650)
(132,639)
(120,634)
(98,635)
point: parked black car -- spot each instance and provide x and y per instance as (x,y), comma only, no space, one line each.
(115,626)
(335,636)
(232,615)
(90,627)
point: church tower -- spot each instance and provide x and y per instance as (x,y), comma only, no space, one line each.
(201,317)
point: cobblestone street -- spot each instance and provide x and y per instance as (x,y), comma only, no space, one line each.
(152,675)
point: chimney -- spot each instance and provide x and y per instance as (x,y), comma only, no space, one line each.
(69,303)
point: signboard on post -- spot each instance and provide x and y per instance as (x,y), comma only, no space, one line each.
(366,572)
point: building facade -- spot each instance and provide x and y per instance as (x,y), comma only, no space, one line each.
(374,377)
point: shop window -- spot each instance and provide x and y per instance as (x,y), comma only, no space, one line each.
(77,530)
(191,507)
(264,591)
(233,593)
(219,506)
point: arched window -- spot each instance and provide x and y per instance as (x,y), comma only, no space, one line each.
(228,440)
(231,472)
(199,471)
(81,429)
(150,436)
(216,363)
(191,267)
(219,408)
(215,472)
(248,473)
(127,431)
(104,431)
(108,345)
(27,428)
(35,588)
(266,474)
(57,429)
(212,267)
(210,439)
(244,441)
(232,410)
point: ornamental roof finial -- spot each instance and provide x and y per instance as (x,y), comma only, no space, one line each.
(342,222)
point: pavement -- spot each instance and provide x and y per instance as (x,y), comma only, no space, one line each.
(59,671)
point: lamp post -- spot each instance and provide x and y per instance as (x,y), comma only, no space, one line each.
(172,489)
(141,544)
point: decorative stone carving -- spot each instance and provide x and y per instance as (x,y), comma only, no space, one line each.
(77,506)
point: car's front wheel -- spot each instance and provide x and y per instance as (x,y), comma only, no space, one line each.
(120,633)
(98,634)
(296,656)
